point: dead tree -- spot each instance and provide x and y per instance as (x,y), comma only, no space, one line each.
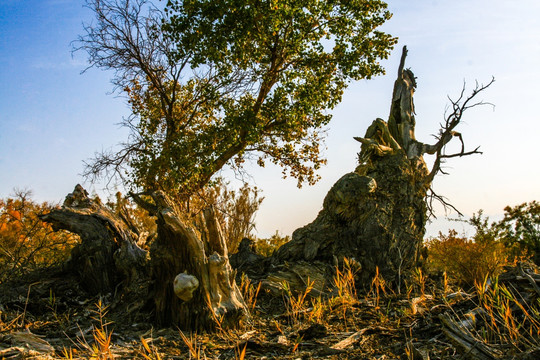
(108,254)
(377,214)
(185,280)
(193,285)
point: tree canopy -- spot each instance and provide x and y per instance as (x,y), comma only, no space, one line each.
(212,83)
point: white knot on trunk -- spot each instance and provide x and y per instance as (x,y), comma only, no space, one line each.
(184,286)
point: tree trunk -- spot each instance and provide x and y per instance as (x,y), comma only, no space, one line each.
(195,259)
(376,214)
(188,278)
(108,254)
(378,219)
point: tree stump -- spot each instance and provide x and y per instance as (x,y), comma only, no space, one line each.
(194,258)
(108,254)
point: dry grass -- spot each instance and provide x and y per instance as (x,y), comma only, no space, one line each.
(101,348)
(379,323)
(149,351)
(249,292)
(296,303)
(194,348)
(507,318)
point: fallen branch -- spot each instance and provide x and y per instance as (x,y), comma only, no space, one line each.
(343,344)
(462,338)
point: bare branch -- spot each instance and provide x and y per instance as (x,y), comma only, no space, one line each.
(111,165)
(433,197)
(452,120)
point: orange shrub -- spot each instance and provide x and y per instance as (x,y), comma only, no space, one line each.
(26,242)
(464,260)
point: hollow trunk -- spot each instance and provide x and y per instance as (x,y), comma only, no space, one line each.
(108,254)
(193,256)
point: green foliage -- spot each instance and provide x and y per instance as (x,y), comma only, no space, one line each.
(212,83)
(266,247)
(519,230)
(521,227)
(484,231)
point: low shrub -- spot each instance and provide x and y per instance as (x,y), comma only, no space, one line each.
(465,260)
(26,242)
(266,247)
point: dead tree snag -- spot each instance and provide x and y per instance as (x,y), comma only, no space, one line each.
(377,214)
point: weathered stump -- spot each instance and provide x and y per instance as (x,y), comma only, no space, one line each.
(194,258)
(378,219)
(108,254)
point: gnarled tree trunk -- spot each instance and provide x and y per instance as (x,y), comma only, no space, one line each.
(188,279)
(378,218)
(108,254)
(377,214)
(194,258)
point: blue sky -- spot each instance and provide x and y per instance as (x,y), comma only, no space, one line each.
(52,117)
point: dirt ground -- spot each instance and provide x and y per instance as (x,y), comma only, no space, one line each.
(47,316)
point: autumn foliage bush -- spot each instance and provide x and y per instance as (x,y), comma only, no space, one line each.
(26,242)
(467,261)
(494,244)
(267,246)
(236,211)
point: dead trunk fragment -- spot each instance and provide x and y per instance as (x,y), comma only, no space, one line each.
(108,253)
(199,252)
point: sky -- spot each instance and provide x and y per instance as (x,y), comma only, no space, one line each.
(52,117)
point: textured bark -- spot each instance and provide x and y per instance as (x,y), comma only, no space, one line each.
(108,254)
(378,219)
(196,248)
(376,214)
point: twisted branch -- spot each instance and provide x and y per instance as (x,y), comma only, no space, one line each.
(446,133)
